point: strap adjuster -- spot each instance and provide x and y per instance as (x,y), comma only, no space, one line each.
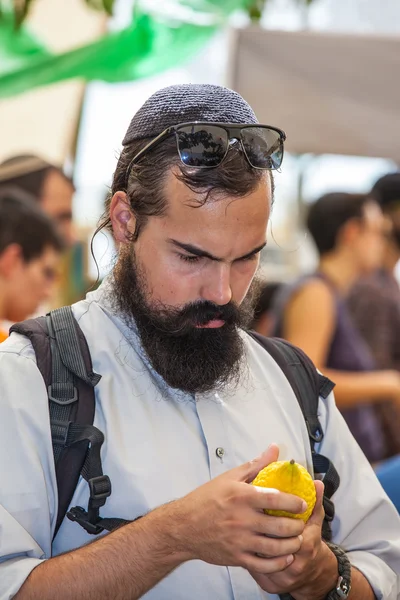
(80,516)
(315,431)
(60,432)
(100,489)
(51,395)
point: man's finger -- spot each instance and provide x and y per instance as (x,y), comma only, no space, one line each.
(267,565)
(249,470)
(318,513)
(271,499)
(279,527)
(267,547)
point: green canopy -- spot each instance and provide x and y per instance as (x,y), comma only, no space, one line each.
(149,45)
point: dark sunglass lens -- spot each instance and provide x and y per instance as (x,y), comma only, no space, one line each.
(263,147)
(202,145)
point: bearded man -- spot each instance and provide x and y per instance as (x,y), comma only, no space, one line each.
(187,398)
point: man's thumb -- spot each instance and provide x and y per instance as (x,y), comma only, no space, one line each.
(249,470)
(318,513)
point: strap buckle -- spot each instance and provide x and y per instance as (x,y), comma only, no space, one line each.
(60,432)
(61,401)
(315,430)
(80,516)
(100,489)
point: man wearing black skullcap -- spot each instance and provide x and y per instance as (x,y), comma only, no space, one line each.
(186,399)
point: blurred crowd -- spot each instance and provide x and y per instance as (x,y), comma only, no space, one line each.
(346,314)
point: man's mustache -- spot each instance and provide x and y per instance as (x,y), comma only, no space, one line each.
(203,311)
(182,321)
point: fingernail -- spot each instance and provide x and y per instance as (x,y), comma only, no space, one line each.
(300,539)
(304,507)
(290,559)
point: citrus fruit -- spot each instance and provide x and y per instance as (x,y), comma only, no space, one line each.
(292,478)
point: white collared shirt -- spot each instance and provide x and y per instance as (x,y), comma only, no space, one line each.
(159,445)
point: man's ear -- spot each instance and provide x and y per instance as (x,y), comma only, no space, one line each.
(122,219)
(10,259)
(349,231)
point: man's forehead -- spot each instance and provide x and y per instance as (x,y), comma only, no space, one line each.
(183,199)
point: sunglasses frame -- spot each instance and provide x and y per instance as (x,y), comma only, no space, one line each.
(230,128)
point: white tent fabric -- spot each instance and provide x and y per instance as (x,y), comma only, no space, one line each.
(41,122)
(44,121)
(331,93)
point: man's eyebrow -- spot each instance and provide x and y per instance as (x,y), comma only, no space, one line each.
(255,251)
(196,251)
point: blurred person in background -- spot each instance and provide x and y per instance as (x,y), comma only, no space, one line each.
(374,301)
(263,321)
(30,249)
(48,184)
(374,304)
(54,191)
(349,233)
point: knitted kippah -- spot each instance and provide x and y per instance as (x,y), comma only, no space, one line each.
(184,103)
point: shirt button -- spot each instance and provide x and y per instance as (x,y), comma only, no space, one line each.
(220,452)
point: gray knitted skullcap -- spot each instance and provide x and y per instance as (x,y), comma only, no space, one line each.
(188,102)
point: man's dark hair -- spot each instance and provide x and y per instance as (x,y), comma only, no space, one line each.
(386,191)
(145,189)
(23,222)
(28,173)
(329,213)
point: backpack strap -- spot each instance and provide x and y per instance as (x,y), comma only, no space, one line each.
(63,358)
(308,386)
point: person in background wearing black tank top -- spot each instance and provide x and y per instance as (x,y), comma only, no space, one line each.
(348,231)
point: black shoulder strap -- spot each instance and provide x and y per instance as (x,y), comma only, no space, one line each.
(63,358)
(308,386)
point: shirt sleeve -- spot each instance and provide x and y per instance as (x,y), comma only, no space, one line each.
(366,523)
(28,487)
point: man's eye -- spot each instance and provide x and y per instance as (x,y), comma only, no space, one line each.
(188,258)
(248,258)
(49,273)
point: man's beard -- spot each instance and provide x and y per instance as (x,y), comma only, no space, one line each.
(189,358)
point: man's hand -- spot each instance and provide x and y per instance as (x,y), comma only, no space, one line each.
(223,523)
(313,572)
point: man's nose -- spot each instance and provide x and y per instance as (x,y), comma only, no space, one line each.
(68,231)
(217,288)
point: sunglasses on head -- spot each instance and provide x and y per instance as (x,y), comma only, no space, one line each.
(205,145)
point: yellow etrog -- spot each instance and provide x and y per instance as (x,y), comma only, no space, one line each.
(292,478)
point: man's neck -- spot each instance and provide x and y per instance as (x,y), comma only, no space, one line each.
(339,270)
